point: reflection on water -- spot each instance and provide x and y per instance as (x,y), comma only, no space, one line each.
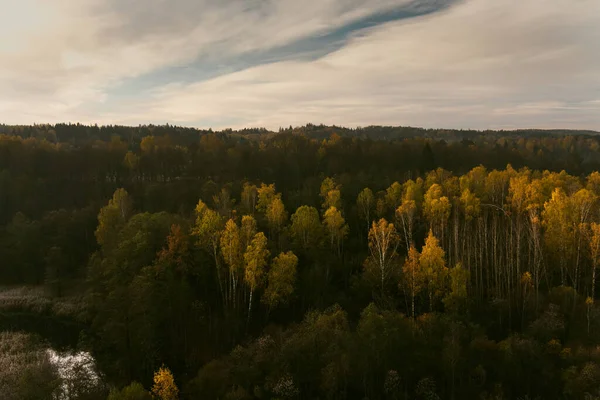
(77,371)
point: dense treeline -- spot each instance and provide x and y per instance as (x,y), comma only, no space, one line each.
(316,262)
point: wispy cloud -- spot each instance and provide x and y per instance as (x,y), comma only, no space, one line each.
(279,62)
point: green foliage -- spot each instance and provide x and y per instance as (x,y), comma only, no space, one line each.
(133,391)
(455,300)
(169,285)
(306,228)
(281,277)
(113,217)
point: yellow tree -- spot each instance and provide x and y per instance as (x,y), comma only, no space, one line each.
(559,237)
(413,279)
(164,385)
(433,265)
(255,259)
(383,243)
(518,198)
(276,215)
(176,250)
(593,183)
(327,185)
(475,180)
(406,213)
(266,195)
(471,204)
(534,205)
(471,208)
(247,230)
(336,228)
(281,278)
(436,208)
(148,144)
(331,194)
(231,250)
(393,195)
(583,203)
(594,240)
(365,203)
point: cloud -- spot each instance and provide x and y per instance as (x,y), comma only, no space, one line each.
(64,54)
(477,64)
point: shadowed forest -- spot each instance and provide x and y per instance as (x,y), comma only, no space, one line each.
(311,263)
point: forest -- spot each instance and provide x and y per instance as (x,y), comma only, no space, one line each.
(316,262)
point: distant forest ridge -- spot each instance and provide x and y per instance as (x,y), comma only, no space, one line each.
(179,135)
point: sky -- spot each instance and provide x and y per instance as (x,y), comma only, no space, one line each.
(467,64)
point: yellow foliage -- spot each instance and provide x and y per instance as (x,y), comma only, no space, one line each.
(164,385)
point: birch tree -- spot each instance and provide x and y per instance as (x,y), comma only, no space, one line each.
(383,243)
(249,198)
(207,229)
(231,249)
(276,216)
(413,278)
(255,259)
(594,243)
(336,229)
(365,203)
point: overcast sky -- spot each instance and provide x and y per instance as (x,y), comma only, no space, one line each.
(247,63)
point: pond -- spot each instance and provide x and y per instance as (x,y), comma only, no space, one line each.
(41,352)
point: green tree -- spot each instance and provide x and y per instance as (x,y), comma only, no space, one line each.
(365,204)
(455,300)
(281,278)
(134,391)
(207,229)
(306,229)
(249,198)
(113,217)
